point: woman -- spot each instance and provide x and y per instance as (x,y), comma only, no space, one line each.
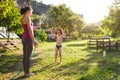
(28,39)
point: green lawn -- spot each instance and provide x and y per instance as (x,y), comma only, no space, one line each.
(79,63)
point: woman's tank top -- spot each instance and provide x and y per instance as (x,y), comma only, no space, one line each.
(26,34)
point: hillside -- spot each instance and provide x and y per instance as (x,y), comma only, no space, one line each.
(38,7)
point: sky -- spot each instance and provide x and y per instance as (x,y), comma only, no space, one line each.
(92,10)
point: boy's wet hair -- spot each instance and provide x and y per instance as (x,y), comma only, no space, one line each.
(60,31)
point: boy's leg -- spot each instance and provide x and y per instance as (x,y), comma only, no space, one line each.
(60,54)
(56,54)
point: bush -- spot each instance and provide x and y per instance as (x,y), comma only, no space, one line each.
(35,19)
(75,35)
(40,35)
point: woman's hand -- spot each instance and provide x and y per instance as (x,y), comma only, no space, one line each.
(39,25)
(35,44)
(36,27)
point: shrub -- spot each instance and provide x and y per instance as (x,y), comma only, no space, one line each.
(40,35)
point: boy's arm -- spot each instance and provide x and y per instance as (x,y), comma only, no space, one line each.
(63,33)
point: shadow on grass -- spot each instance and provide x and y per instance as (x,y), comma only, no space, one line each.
(49,66)
(103,68)
(11,63)
(8,61)
(107,68)
(76,45)
(21,77)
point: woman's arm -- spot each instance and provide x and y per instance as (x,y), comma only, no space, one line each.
(52,33)
(36,27)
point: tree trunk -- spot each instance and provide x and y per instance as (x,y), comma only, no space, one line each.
(8,35)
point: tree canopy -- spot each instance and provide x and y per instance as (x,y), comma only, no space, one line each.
(111,23)
(63,17)
(10,16)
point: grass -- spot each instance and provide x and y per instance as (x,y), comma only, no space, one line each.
(79,63)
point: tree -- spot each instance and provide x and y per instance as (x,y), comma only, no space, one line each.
(4,9)
(91,30)
(11,18)
(112,21)
(62,17)
(35,19)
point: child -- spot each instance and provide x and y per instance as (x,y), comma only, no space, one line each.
(58,50)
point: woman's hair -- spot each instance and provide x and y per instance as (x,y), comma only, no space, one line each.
(60,31)
(24,10)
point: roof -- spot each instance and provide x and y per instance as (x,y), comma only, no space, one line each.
(12,35)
